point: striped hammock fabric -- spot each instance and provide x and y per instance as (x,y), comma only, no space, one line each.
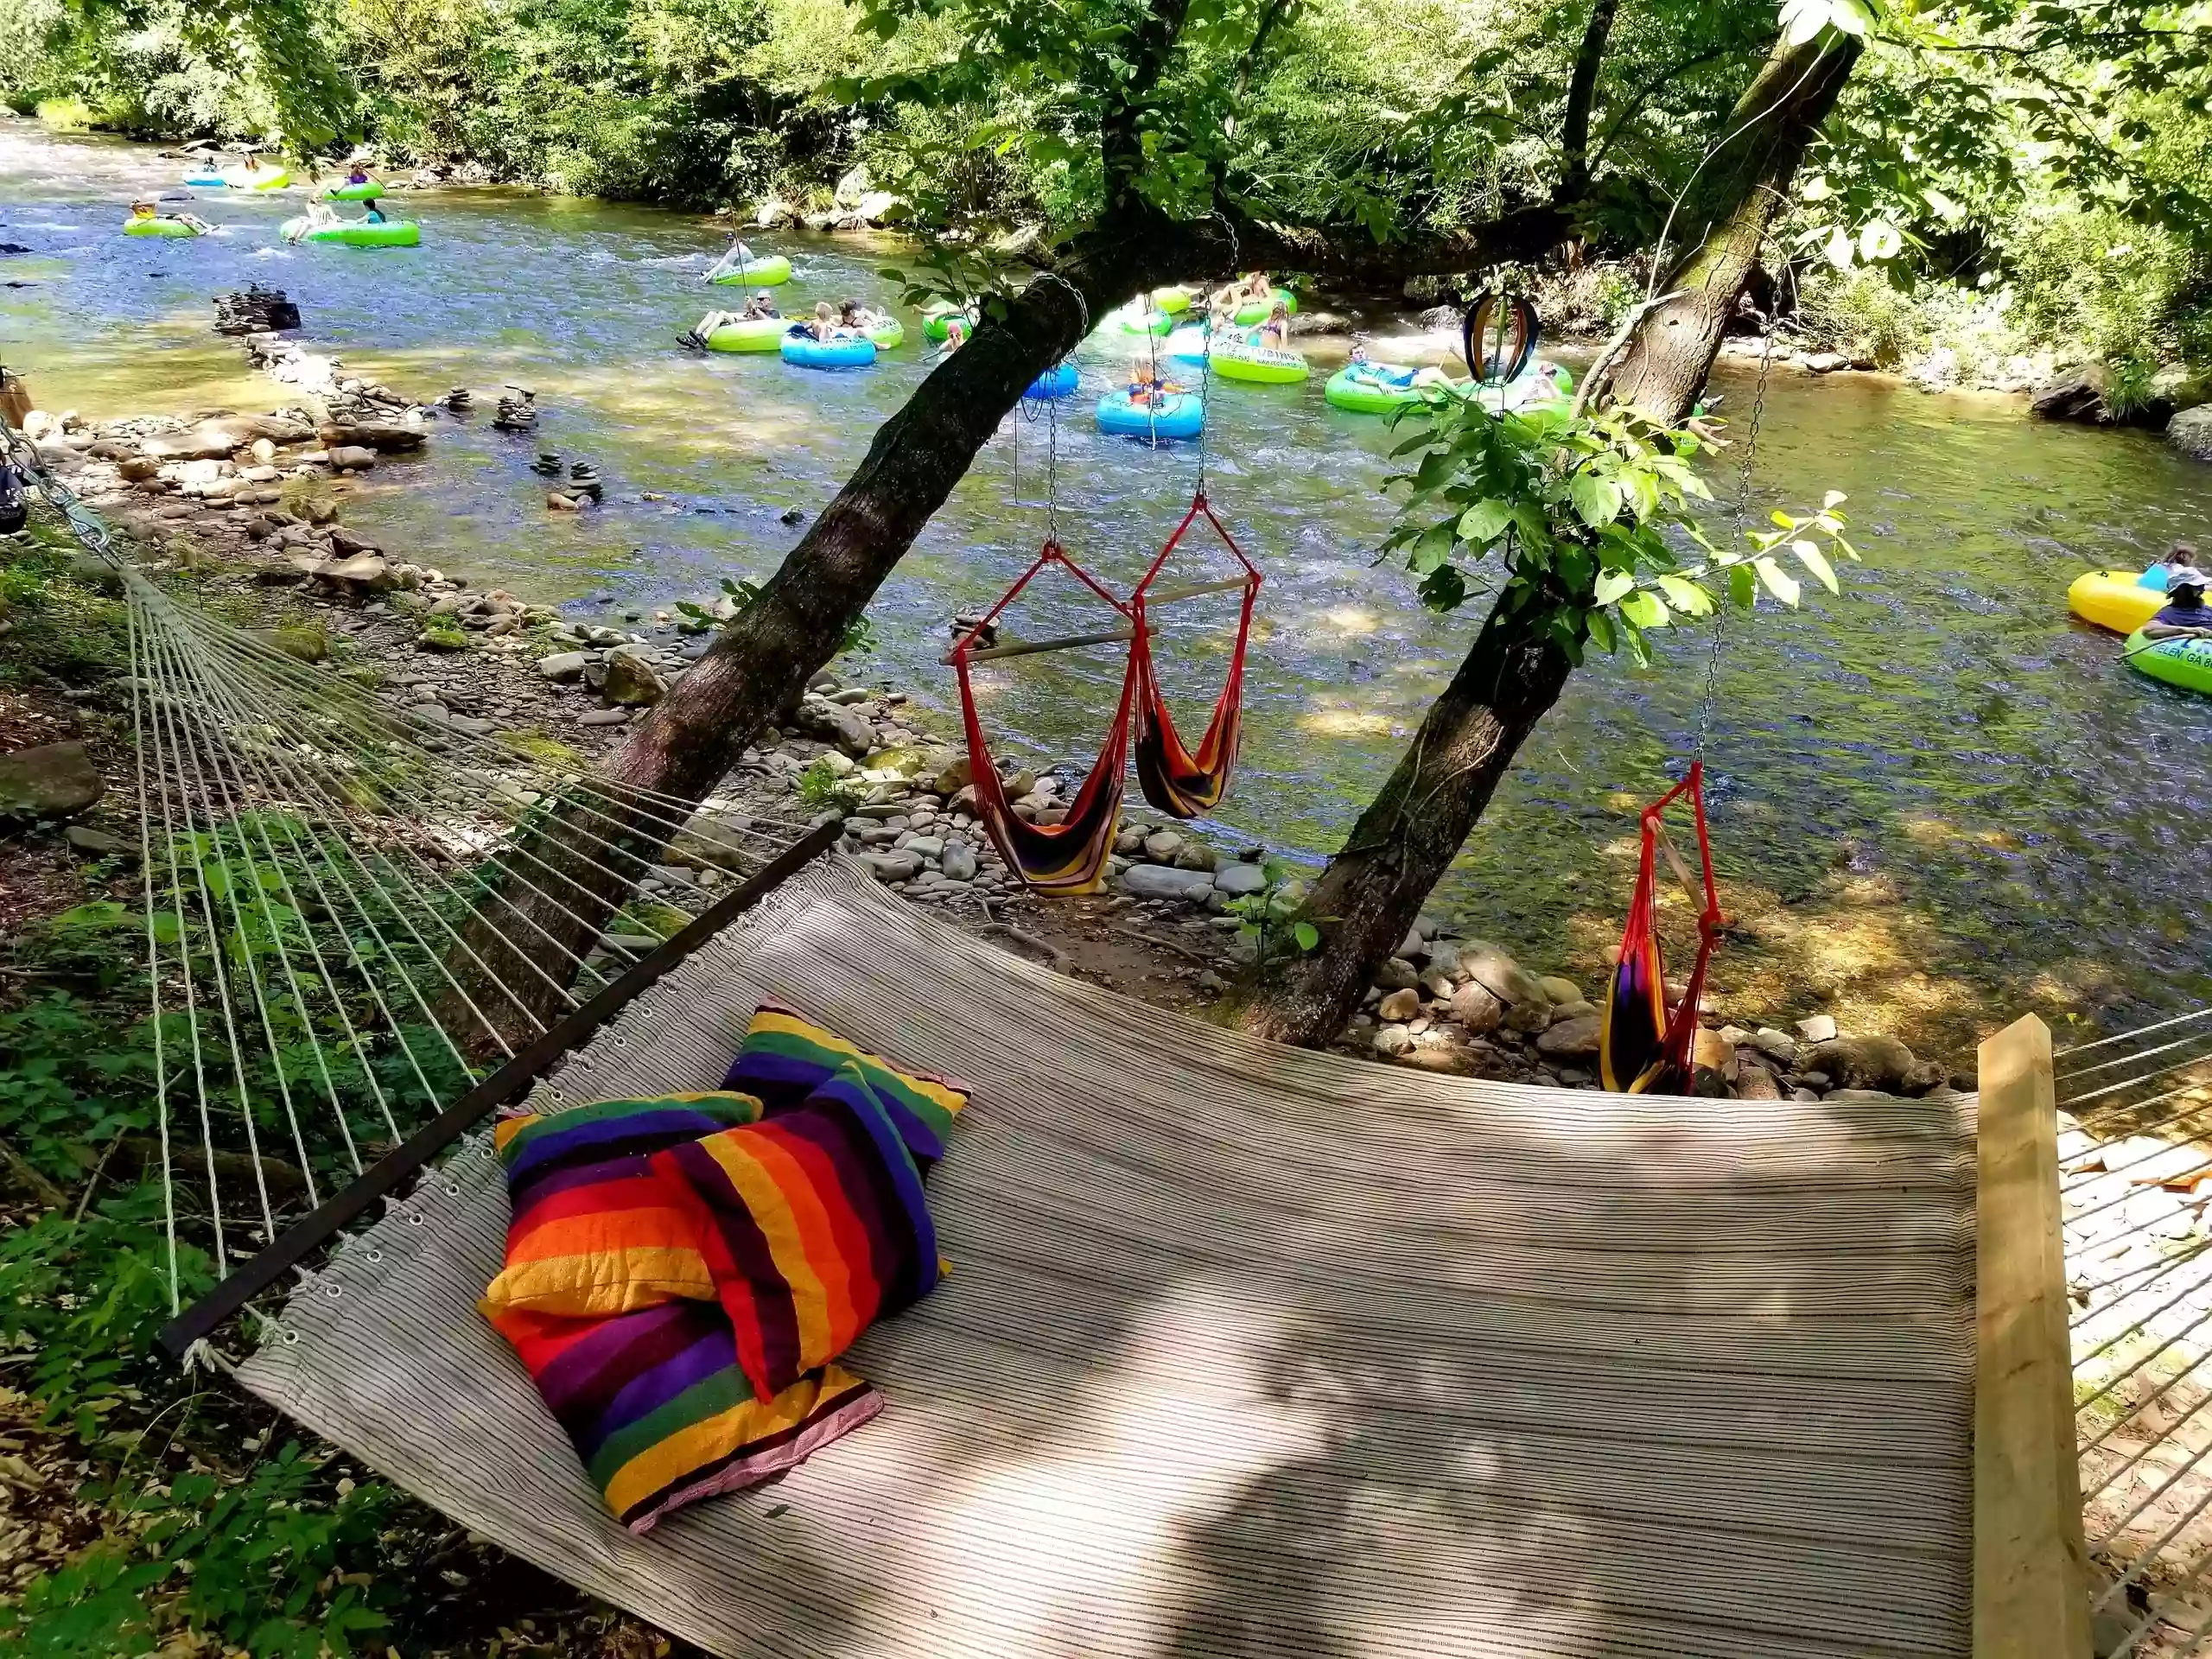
(1640,1050)
(1177,780)
(1069,858)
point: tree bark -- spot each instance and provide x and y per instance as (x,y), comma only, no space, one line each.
(1581,96)
(1410,833)
(1743,188)
(1404,841)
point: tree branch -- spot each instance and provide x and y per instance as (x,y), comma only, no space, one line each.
(1581,93)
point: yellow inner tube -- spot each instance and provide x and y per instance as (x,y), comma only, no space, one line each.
(2112,600)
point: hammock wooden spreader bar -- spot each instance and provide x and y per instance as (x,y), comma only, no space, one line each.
(1111,636)
(1259,1352)
(1178,780)
(1067,858)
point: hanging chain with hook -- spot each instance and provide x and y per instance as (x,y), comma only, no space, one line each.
(1744,505)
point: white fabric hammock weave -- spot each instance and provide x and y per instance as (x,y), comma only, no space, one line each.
(1253,1351)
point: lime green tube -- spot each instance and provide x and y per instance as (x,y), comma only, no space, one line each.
(888,334)
(157,227)
(749,335)
(2186,663)
(352,233)
(1174,300)
(934,319)
(1257,363)
(367,191)
(758,273)
(1363,395)
(1259,310)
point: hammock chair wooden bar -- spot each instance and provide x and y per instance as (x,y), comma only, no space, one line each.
(1075,641)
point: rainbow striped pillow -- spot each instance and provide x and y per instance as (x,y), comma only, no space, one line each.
(786,1059)
(595,1230)
(660,1413)
(812,1222)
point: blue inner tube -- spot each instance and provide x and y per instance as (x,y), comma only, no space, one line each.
(809,353)
(1056,382)
(1178,415)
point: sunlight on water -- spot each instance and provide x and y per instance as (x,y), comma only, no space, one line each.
(1934,796)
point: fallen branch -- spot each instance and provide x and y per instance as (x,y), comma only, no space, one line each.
(1182,951)
(1060,960)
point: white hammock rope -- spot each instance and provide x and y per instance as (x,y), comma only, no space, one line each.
(352,916)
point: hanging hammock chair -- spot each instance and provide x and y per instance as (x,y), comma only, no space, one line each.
(1641,1049)
(1069,858)
(1176,779)
(1499,336)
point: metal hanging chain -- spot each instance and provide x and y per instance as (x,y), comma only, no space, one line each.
(1053,470)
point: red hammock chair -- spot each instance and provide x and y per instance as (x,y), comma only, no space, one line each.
(1175,779)
(1640,1050)
(1068,858)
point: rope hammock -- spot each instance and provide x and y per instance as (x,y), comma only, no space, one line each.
(1067,858)
(1642,1049)
(1175,779)
(366,927)
(1499,335)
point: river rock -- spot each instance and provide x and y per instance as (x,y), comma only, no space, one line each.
(1572,1039)
(1878,1063)
(562,667)
(1777,1045)
(902,866)
(1473,1007)
(1196,855)
(1393,1041)
(2191,432)
(354,457)
(1559,988)
(215,440)
(926,847)
(1823,362)
(602,717)
(1397,974)
(957,775)
(632,681)
(53,780)
(1161,846)
(1757,1083)
(363,572)
(1499,974)
(138,469)
(1239,879)
(1399,1004)
(1160,881)
(1817,1028)
(368,436)
(957,861)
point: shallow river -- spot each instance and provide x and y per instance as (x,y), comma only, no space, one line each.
(1938,799)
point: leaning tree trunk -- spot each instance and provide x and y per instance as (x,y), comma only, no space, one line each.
(1402,844)
(1412,830)
(1742,190)
(576,878)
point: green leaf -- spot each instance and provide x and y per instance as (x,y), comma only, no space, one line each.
(1596,500)
(1307,935)
(1685,595)
(1611,585)
(1485,522)
(1816,562)
(1645,611)
(1777,581)
(1743,587)
(1601,631)
(1833,499)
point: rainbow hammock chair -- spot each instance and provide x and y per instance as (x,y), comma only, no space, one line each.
(1179,782)
(1066,859)
(1640,1050)
(1499,336)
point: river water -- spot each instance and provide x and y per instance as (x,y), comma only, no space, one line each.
(1937,799)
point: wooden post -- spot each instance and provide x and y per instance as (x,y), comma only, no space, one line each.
(2030,1570)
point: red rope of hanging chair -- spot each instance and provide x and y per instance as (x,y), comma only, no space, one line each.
(1062,859)
(1641,1050)
(1176,779)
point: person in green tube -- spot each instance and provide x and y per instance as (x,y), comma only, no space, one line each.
(2185,616)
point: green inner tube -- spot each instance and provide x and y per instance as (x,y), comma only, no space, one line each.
(1138,317)
(1362,396)
(392,233)
(1258,363)
(933,321)
(1173,301)
(367,192)
(1259,310)
(2184,663)
(758,273)
(156,227)
(751,334)
(888,333)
